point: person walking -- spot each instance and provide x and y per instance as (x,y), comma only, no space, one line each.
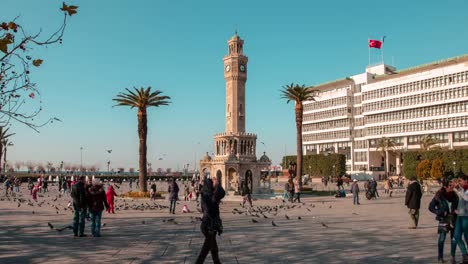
(286,191)
(444,211)
(110,194)
(153,191)
(80,204)
(355,192)
(186,192)
(211,223)
(173,191)
(291,190)
(99,201)
(246,197)
(413,201)
(297,191)
(373,186)
(461,224)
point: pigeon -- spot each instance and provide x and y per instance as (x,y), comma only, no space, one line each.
(254,221)
(287,217)
(63,228)
(50,225)
(264,216)
(330,207)
(104,224)
(33,212)
(299,218)
(19,204)
(324,225)
(355,213)
(273,223)
(308,210)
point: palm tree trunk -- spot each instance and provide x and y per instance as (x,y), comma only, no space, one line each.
(142,134)
(386,163)
(4,158)
(299,111)
(1,155)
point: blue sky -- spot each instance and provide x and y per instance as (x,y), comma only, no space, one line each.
(178,46)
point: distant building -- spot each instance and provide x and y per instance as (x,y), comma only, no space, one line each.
(350,115)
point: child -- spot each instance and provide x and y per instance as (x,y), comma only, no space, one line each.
(110,194)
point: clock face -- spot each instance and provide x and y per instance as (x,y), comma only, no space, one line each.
(228,68)
(242,68)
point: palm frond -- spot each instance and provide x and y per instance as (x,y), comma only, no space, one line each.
(141,98)
(298,93)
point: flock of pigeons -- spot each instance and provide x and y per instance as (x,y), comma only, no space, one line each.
(61,204)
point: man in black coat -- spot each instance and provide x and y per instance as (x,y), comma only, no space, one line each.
(413,201)
(80,203)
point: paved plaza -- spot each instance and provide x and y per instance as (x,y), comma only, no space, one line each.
(329,230)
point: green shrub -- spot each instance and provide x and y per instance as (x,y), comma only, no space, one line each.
(318,165)
(411,160)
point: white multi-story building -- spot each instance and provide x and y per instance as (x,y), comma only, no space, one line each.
(350,115)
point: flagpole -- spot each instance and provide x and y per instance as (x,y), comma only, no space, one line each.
(381,50)
(368,48)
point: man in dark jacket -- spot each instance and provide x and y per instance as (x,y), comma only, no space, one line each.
(211,223)
(173,191)
(79,205)
(413,201)
(246,194)
(99,201)
(443,205)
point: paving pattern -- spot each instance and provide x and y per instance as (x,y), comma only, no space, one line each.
(329,230)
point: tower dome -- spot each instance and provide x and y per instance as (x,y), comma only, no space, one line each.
(207,158)
(264,158)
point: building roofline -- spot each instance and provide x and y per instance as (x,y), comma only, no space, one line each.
(333,84)
(423,68)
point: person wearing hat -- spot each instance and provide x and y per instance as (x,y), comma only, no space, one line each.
(355,192)
(98,202)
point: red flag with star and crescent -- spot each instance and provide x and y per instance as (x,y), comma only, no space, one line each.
(375,43)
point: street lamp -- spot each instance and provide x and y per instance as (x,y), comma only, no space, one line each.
(10,144)
(81,160)
(454,165)
(108,166)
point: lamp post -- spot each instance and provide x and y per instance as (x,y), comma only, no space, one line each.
(10,144)
(454,167)
(81,160)
(108,166)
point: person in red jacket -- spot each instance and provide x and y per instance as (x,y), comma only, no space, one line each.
(110,194)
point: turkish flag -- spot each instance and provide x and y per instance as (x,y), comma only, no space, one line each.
(375,44)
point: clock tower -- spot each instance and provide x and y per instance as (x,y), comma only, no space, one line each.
(235,74)
(235,160)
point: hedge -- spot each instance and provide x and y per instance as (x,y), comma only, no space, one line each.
(412,158)
(318,165)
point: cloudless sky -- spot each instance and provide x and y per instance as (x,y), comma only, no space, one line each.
(177,46)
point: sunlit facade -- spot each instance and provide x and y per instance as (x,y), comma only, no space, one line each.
(350,115)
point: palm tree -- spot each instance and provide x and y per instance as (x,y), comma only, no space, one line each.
(427,142)
(299,94)
(5,143)
(3,135)
(142,99)
(385,146)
